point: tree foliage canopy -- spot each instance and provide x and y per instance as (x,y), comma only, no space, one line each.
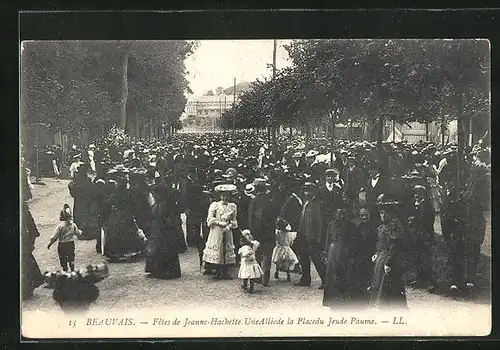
(79,84)
(403,80)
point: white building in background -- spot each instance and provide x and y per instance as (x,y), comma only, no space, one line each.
(209,106)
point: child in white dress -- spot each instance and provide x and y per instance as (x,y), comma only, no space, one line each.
(283,255)
(250,270)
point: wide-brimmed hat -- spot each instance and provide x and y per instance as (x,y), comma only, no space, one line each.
(331,171)
(139,171)
(231,172)
(225,188)
(419,188)
(120,168)
(282,224)
(388,203)
(247,235)
(249,189)
(312,153)
(260,184)
(309,185)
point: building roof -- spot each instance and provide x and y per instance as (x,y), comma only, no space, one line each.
(215,98)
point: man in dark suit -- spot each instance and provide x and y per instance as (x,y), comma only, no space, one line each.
(309,236)
(193,191)
(341,163)
(292,208)
(299,163)
(354,181)
(279,194)
(261,222)
(375,187)
(421,223)
(330,195)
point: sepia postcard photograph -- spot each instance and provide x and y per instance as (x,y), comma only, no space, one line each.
(255,188)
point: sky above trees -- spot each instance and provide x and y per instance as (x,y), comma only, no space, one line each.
(217,62)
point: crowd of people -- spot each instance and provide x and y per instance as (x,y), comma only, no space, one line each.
(356,214)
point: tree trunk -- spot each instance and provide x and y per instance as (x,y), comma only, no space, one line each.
(137,127)
(366,129)
(291,132)
(442,129)
(470,136)
(332,139)
(426,131)
(380,131)
(124,96)
(307,130)
(460,141)
(275,132)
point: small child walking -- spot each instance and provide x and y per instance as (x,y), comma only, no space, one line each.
(250,270)
(66,232)
(283,255)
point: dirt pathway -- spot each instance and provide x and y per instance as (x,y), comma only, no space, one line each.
(128,286)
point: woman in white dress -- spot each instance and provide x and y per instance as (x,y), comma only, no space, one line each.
(221,219)
(283,255)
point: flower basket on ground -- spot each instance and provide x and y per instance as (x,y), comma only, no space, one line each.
(76,291)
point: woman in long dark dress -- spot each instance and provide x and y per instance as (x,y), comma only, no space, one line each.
(340,280)
(80,189)
(367,240)
(31,277)
(124,241)
(387,288)
(141,199)
(163,259)
(176,198)
(98,196)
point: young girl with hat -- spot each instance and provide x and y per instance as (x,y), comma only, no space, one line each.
(250,270)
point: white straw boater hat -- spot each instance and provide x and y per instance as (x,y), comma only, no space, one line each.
(419,188)
(225,188)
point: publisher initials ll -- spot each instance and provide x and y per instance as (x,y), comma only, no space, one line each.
(398,321)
